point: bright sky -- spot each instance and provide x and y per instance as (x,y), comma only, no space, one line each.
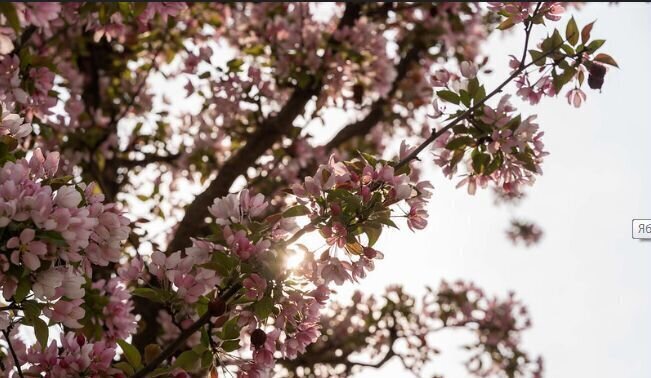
(588,284)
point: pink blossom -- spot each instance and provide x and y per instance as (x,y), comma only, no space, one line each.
(131,271)
(255,286)
(68,196)
(575,97)
(417,217)
(12,124)
(335,234)
(335,270)
(46,283)
(117,317)
(67,312)
(72,285)
(253,206)
(6,40)
(40,14)
(164,9)
(226,209)
(468,70)
(27,249)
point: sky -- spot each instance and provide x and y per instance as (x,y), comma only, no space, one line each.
(588,283)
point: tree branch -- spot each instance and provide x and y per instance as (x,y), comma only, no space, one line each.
(148,159)
(414,154)
(269,132)
(183,337)
(377,111)
(527,29)
(13,354)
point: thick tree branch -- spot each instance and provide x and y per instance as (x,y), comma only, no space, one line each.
(148,159)
(378,108)
(268,133)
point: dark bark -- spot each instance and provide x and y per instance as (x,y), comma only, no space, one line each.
(268,133)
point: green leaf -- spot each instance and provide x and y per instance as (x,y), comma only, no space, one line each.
(537,57)
(10,13)
(32,310)
(473,86)
(595,45)
(263,307)
(206,359)
(527,160)
(24,286)
(231,345)
(464,96)
(188,360)
(148,293)
(221,263)
(494,165)
(230,330)
(448,96)
(585,32)
(131,353)
(234,65)
(373,232)
(480,94)
(459,142)
(52,237)
(9,141)
(479,161)
(506,24)
(572,32)
(568,50)
(372,160)
(296,211)
(556,41)
(256,50)
(138,8)
(125,367)
(607,59)
(560,80)
(41,331)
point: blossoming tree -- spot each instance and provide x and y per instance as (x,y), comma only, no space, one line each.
(144,236)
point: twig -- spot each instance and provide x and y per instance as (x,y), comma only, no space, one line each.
(13,354)
(528,27)
(414,154)
(185,334)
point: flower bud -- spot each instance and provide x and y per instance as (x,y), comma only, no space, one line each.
(370,252)
(596,75)
(217,307)
(595,82)
(258,338)
(597,70)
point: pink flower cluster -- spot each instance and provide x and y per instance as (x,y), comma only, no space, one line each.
(517,12)
(237,208)
(76,357)
(516,144)
(54,237)
(368,186)
(90,233)
(185,272)
(525,232)
(12,124)
(117,318)
(496,322)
